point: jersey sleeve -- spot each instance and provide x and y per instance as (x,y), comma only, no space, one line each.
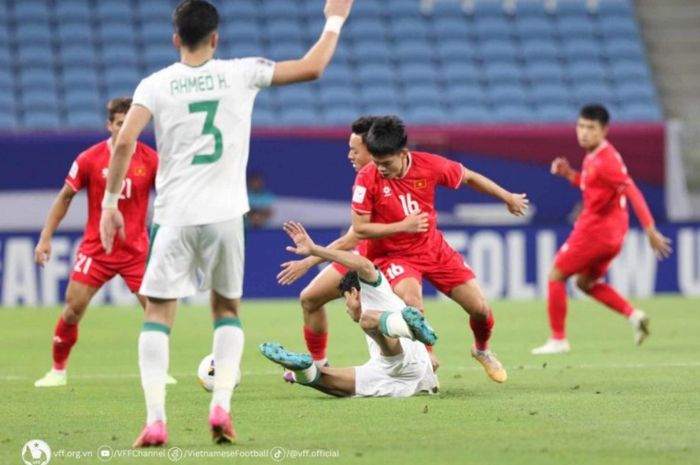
(362,194)
(613,171)
(257,72)
(78,174)
(145,96)
(448,173)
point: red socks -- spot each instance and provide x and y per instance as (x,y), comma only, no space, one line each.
(65,337)
(482,331)
(556,308)
(605,294)
(316,343)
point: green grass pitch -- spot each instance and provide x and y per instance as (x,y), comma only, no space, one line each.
(607,402)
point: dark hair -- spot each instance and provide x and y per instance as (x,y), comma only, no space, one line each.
(118,105)
(194,21)
(387,136)
(595,112)
(362,124)
(350,281)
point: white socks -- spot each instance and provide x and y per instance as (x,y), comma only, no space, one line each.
(392,324)
(308,375)
(153,363)
(227,350)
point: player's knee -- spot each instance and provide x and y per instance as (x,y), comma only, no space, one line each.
(309,302)
(584,283)
(74,309)
(369,321)
(413,300)
(556,275)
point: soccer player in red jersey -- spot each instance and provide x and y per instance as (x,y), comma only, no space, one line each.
(93,267)
(324,287)
(599,231)
(401,183)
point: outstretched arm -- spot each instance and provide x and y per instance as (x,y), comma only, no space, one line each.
(295,269)
(112,221)
(312,65)
(658,242)
(304,245)
(416,222)
(59,208)
(516,203)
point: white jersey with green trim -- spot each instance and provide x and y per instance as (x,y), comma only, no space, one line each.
(379,296)
(202,118)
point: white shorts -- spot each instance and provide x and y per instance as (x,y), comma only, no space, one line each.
(179,252)
(403,375)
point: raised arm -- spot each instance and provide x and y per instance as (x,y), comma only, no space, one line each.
(304,245)
(58,210)
(112,221)
(516,203)
(295,269)
(312,65)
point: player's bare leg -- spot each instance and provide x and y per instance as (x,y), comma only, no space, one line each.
(607,295)
(154,357)
(78,297)
(321,290)
(411,292)
(472,300)
(228,350)
(556,311)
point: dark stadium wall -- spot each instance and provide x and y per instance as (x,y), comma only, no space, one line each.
(312,163)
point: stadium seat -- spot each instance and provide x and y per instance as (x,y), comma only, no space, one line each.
(615,8)
(623,49)
(117,32)
(280,31)
(452,51)
(73,11)
(338,73)
(71,34)
(298,96)
(277,9)
(413,50)
(363,10)
(379,108)
(8,121)
(640,112)
(548,94)
(85,119)
(116,55)
(240,10)
(531,9)
(365,29)
(452,28)
(79,56)
(498,50)
(548,113)
(535,28)
(418,73)
(242,31)
(513,114)
(618,27)
(459,95)
(507,94)
(77,99)
(625,71)
(448,9)
(36,11)
(635,92)
(421,95)
(157,33)
(579,49)
(380,95)
(497,73)
(7,81)
(368,52)
(540,50)
(41,120)
(425,114)
(6,60)
(339,96)
(544,72)
(301,116)
(156,10)
(38,34)
(576,28)
(376,73)
(487,9)
(492,28)
(589,93)
(573,9)
(264,118)
(31,79)
(460,73)
(121,77)
(403,8)
(85,79)
(114,10)
(587,71)
(470,114)
(38,100)
(402,28)
(37,57)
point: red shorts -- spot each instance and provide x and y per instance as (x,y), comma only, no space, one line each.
(95,271)
(442,266)
(585,257)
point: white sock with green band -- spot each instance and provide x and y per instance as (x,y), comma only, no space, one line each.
(307,376)
(392,324)
(227,350)
(153,363)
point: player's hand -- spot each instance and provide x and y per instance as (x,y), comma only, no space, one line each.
(416,222)
(660,244)
(111,224)
(517,204)
(560,167)
(292,271)
(337,8)
(301,238)
(42,252)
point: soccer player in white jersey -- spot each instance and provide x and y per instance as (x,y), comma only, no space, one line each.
(201,108)
(399,364)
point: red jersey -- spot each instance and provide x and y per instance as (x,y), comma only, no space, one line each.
(603,182)
(89,171)
(392,200)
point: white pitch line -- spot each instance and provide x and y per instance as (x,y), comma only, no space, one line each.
(614,366)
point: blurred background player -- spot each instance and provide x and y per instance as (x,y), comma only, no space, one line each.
(399,364)
(261,201)
(93,267)
(599,231)
(201,109)
(400,183)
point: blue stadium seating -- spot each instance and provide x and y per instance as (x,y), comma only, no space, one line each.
(473,61)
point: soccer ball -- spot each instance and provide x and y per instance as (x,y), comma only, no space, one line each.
(205,373)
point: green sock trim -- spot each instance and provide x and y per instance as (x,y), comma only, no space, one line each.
(227,322)
(314,381)
(382,323)
(153,326)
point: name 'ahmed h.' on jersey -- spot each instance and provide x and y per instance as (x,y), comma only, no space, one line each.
(202,118)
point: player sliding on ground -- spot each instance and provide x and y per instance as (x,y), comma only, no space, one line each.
(599,231)
(399,364)
(201,108)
